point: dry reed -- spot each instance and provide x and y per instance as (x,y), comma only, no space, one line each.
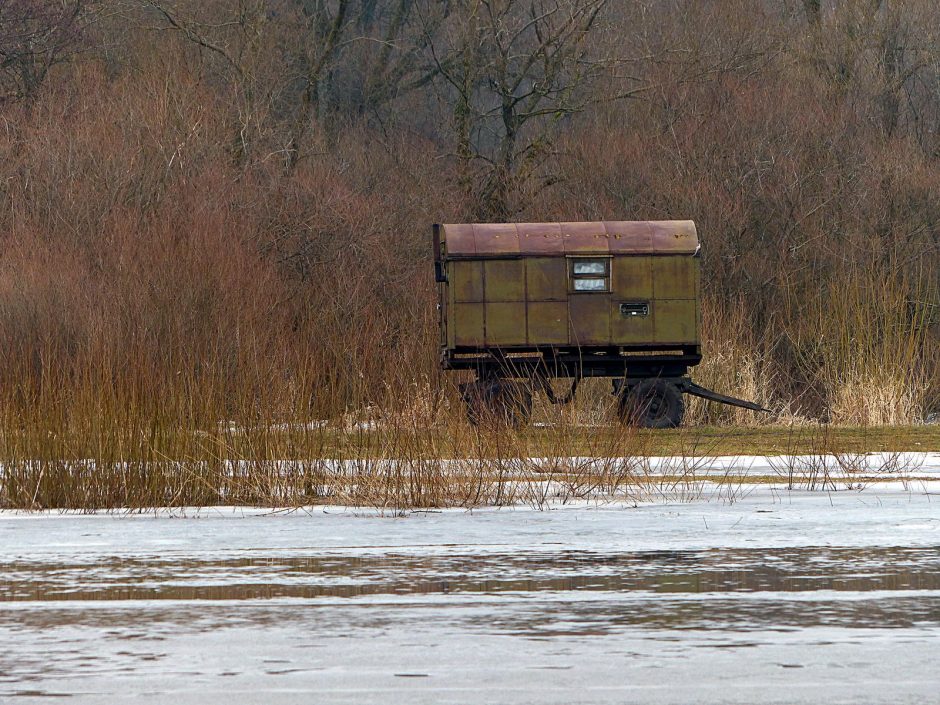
(200,304)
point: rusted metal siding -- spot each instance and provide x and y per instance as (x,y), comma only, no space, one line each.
(468,325)
(674,321)
(504,279)
(547,323)
(505,323)
(546,301)
(674,277)
(546,279)
(515,290)
(466,280)
(633,277)
(540,239)
(465,314)
(471,241)
(589,316)
(630,330)
(675,299)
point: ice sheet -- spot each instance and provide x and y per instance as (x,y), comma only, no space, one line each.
(764,595)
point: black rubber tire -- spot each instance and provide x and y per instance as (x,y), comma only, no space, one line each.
(499,402)
(652,403)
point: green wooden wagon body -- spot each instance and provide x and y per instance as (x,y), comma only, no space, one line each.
(619,299)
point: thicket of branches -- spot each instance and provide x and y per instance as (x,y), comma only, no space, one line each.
(222,207)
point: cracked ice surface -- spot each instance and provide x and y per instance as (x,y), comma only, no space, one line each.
(778,596)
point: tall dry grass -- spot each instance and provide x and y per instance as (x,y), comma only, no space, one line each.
(868,345)
(169,303)
(112,452)
(737,361)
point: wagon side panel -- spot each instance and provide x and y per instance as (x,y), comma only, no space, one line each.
(466,315)
(589,318)
(504,294)
(546,297)
(631,319)
(675,307)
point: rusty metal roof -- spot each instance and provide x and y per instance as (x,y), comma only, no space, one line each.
(626,237)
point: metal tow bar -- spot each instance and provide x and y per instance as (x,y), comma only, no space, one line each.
(690,387)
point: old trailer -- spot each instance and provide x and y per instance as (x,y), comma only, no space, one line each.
(521,303)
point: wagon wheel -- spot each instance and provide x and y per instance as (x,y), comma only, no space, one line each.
(653,403)
(499,402)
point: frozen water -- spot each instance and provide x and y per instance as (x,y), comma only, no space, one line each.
(777,596)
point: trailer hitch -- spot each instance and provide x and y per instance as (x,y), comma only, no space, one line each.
(690,387)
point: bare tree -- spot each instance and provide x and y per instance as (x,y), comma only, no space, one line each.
(318,36)
(390,53)
(515,71)
(35,35)
(235,37)
(881,54)
(276,56)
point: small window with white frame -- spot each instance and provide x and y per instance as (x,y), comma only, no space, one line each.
(589,274)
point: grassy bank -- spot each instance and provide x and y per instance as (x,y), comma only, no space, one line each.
(398,466)
(210,212)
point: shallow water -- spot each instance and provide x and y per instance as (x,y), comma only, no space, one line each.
(779,597)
